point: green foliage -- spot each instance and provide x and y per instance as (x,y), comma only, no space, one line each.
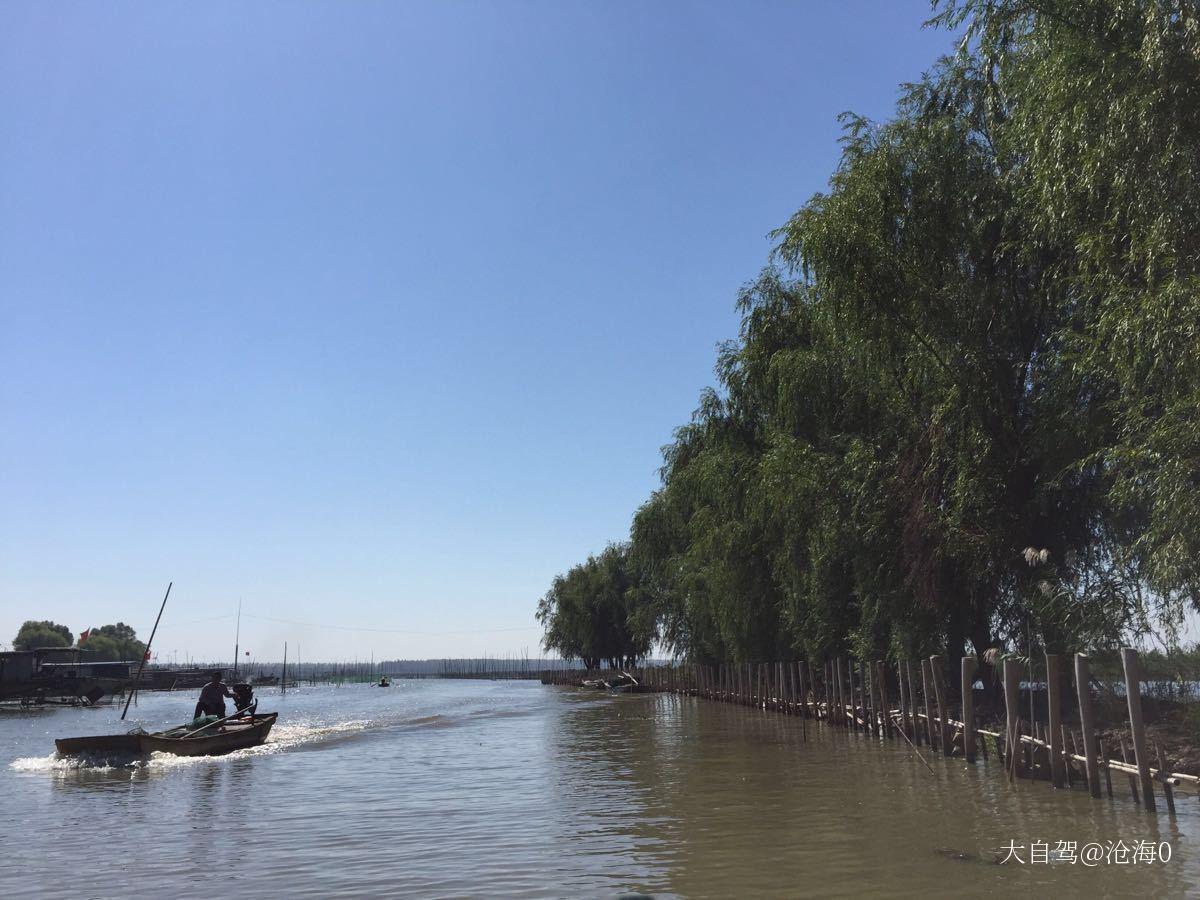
(595,613)
(33,635)
(962,409)
(114,642)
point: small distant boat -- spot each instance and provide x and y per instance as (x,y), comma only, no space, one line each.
(213,739)
(383,682)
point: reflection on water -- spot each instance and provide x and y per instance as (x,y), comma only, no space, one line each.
(514,789)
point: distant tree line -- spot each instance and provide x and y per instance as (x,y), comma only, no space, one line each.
(963,410)
(108,642)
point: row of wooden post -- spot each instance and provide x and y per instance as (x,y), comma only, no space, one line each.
(854,694)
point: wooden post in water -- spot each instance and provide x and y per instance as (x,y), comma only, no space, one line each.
(856,695)
(823,708)
(884,700)
(1132,778)
(926,691)
(1087,721)
(851,695)
(1012,693)
(806,685)
(831,710)
(802,694)
(1133,694)
(868,691)
(841,693)
(860,705)
(968,707)
(829,689)
(937,676)
(1107,770)
(850,720)
(1054,705)
(1164,775)
(871,686)
(793,673)
(902,724)
(912,703)
(861,710)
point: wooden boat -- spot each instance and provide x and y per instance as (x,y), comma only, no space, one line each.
(234,734)
(223,736)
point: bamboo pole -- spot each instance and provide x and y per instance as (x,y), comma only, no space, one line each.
(1132,777)
(853,689)
(142,663)
(968,707)
(885,713)
(1012,689)
(1087,722)
(1054,705)
(1067,763)
(864,695)
(802,695)
(926,677)
(912,703)
(1165,777)
(876,706)
(862,709)
(1107,770)
(810,684)
(937,676)
(841,695)
(1133,694)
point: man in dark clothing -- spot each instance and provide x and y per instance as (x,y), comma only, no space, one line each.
(212,698)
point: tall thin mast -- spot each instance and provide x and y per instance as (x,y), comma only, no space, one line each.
(237,637)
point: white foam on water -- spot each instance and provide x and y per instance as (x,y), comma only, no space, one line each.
(281,738)
(82,762)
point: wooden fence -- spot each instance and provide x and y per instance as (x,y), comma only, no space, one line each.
(911,702)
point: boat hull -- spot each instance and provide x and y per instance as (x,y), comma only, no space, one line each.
(233,737)
(238,735)
(100,744)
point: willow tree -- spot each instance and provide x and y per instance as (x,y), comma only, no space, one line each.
(1102,99)
(962,408)
(593,613)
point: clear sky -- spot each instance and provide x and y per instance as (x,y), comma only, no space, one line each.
(377,314)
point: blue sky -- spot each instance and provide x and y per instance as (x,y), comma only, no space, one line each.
(376,315)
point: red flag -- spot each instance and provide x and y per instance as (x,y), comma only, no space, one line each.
(84,635)
(146,658)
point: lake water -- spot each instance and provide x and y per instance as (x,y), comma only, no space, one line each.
(491,789)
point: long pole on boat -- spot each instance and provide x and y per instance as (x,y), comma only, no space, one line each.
(141,665)
(237,637)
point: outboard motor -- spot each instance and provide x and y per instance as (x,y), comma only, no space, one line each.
(243,698)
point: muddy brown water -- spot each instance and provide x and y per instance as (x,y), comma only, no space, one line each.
(488,789)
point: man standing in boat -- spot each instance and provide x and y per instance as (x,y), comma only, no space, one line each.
(212,698)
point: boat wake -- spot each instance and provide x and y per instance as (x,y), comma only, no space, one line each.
(292,736)
(287,737)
